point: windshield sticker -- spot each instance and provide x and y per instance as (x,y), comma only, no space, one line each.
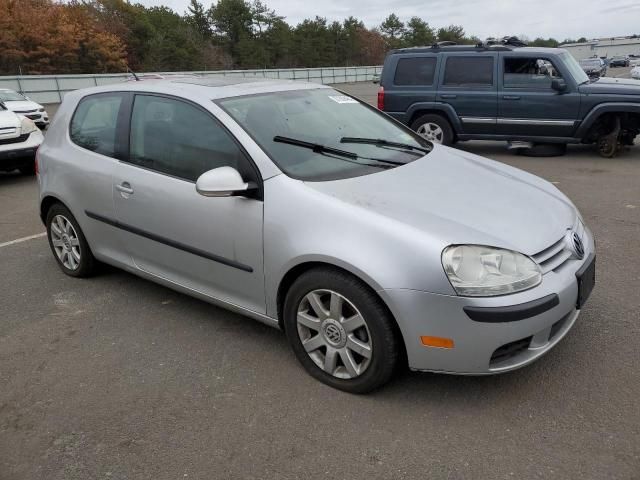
(342,99)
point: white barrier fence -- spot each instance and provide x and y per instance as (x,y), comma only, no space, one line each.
(52,88)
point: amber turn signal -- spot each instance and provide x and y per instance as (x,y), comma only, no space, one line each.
(439,342)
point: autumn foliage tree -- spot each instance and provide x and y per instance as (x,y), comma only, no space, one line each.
(40,37)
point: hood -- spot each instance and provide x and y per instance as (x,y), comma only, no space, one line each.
(22,105)
(614,86)
(457,197)
(8,120)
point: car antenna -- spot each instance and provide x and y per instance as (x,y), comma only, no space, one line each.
(133,73)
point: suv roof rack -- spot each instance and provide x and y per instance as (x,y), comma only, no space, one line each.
(445,43)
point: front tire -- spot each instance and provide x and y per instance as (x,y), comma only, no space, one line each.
(340,331)
(68,244)
(434,128)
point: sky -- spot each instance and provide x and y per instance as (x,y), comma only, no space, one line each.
(559,19)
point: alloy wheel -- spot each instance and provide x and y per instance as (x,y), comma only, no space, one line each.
(65,242)
(431,131)
(334,334)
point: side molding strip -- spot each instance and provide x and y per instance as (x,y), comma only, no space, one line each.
(169,242)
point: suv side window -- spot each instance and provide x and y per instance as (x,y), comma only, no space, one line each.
(93,125)
(415,71)
(532,73)
(466,71)
(176,138)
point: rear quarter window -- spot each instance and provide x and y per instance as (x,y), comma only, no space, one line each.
(415,71)
(468,71)
(93,125)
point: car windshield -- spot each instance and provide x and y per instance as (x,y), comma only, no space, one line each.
(10,96)
(574,68)
(323,134)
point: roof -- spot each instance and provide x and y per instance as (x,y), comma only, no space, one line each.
(204,87)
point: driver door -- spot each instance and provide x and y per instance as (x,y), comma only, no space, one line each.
(212,245)
(528,106)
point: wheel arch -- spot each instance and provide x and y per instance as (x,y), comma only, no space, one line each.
(445,111)
(602,111)
(46,203)
(297,270)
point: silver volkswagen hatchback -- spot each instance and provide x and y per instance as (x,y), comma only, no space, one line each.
(308,210)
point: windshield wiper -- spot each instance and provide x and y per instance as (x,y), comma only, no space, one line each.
(348,156)
(386,143)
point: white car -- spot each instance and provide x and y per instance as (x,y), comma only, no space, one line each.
(635,62)
(19,140)
(635,73)
(23,105)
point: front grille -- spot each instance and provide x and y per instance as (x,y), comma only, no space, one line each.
(510,350)
(25,111)
(20,139)
(33,117)
(552,257)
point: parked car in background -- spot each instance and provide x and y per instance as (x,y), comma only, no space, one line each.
(634,62)
(311,211)
(19,140)
(507,92)
(24,106)
(635,73)
(619,61)
(594,67)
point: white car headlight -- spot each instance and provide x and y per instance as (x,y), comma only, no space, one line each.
(479,271)
(27,126)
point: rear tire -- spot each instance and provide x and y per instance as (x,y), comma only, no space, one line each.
(434,128)
(358,350)
(67,242)
(544,150)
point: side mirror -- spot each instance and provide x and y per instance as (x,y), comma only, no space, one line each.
(559,85)
(221,182)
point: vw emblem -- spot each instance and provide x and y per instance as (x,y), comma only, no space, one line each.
(332,333)
(575,244)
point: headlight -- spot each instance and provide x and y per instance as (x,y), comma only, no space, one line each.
(479,271)
(41,109)
(27,126)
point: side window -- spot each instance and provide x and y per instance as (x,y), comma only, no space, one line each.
(536,73)
(415,71)
(93,125)
(468,71)
(179,139)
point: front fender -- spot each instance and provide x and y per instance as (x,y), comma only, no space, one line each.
(598,110)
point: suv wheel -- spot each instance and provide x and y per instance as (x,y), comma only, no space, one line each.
(68,243)
(340,331)
(434,128)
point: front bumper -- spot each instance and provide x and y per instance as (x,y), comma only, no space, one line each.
(487,347)
(15,155)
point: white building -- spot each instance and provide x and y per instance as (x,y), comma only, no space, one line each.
(605,47)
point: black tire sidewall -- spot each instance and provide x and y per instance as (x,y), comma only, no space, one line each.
(87,262)
(442,122)
(379,322)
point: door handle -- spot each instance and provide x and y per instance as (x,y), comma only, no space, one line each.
(448,95)
(125,187)
(511,97)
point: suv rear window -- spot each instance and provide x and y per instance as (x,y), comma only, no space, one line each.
(415,71)
(461,71)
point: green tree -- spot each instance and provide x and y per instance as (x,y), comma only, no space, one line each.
(392,29)
(197,17)
(452,33)
(418,33)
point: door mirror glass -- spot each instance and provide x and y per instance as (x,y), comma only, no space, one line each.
(558,84)
(221,182)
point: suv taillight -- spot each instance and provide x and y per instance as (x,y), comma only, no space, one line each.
(35,165)
(381,98)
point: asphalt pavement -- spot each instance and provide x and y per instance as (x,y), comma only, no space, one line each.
(115,377)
